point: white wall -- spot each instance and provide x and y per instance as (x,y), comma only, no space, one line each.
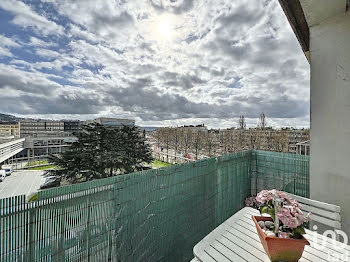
(330,113)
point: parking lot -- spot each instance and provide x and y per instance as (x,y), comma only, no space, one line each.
(22,182)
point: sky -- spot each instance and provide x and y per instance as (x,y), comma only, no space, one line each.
(160,62)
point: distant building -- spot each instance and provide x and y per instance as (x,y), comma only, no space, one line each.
(37,128)
(10,148)
(71,125)
(39,146)
(9,130)
(201,127)
(303,148)
(112,122)
(284,140)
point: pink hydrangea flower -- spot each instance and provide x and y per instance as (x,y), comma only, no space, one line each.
(251,202)
(289,213)
(283,235)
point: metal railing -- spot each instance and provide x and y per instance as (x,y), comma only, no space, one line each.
(28,162)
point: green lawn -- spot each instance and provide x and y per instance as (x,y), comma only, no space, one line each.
(37,163)
(42,167)
(154,164)
(159,164)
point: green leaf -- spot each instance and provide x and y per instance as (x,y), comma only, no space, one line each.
(33,197)
(298,232)
(271,212)
(263,209)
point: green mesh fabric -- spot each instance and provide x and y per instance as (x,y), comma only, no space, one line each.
(156,215)
(287,172)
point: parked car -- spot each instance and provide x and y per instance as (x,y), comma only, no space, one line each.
(8,169)
(51,182)
(2,175)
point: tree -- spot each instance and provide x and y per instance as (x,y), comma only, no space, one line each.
(241,123)
(197,142)
(175,140)
(209,143)
(240,143)
(166,141)
(262,122)
(187,138)
(102,152)
(279,141)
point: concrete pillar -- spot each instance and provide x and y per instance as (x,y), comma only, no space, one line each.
(330,113)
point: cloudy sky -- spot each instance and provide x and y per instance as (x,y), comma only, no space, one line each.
(161,62)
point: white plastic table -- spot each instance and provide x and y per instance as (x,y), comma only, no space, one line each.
(237,240)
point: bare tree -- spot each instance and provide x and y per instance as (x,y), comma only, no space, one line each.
(197,142)
(241,143)
(175,140)
(279,141)
(167,142)
(241,123)
(187,139)
(262,122)
(209,142)
(158,135)
(163,140)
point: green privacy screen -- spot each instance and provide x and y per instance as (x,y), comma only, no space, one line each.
(157,215)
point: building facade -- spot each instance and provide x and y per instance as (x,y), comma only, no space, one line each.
(194,128)
(37,128)
(9,130)
(43,146)
(323,30)
(10,148)
(71,125)
(283,140)
(112,122)
(303,148)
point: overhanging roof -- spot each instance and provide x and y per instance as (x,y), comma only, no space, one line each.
(303,14)
(296,18)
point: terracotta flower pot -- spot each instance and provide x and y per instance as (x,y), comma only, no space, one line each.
(280,249)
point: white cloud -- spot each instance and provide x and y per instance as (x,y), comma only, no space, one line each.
(5,45)
(24,16)
(47,53)
(8,42)
(34,41)
(223,59)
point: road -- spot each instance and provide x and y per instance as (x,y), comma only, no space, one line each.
(21,182)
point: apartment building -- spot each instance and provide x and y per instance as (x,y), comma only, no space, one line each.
(303,148)
(9,130)
(194,128)
(284,140)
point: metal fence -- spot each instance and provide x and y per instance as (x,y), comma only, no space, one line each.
(154,215)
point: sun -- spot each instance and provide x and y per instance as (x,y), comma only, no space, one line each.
(164,29)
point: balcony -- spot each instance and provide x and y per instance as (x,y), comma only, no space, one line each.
(154,215)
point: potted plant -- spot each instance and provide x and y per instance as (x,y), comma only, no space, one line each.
(281,233)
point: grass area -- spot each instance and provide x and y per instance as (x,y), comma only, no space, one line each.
(159,164)
(154,164)
(37,163)
(42,167)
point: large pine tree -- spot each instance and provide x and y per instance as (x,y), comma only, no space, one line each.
(102,152)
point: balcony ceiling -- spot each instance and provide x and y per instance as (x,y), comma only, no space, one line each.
(317,11)
(303,14)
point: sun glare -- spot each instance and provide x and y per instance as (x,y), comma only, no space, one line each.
(164,29)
